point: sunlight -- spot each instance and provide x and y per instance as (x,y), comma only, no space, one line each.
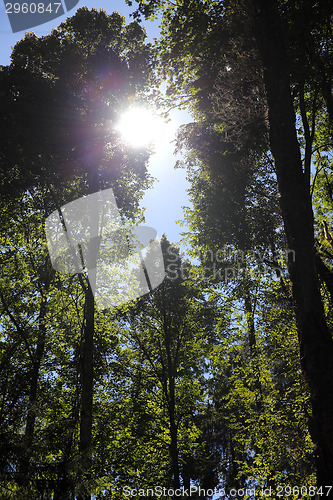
(140,127)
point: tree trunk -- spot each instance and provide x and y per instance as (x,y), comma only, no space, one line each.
(253,354)
(87,375)
(87,353)
(31,415)
(174,455)
(316,346)
(174,444)
(34,379)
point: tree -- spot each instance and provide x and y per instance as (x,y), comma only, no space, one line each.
(316,347)
(259,398)
(208,37)
(171,331)
(33,311)
(82,76)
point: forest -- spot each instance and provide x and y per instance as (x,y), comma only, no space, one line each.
(218,382)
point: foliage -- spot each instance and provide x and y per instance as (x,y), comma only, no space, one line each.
(245,68)
(197,383)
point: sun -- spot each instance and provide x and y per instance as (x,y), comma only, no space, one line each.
(140,127)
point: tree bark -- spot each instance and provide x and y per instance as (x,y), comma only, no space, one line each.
(173,438)
(87,353)
(174,454)
(31,415)
(87,377)
(34,381)
(316,346)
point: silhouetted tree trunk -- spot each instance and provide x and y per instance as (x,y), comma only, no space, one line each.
(170,395)
(173,442)
(87,377)
(316,346)
(31,415)
(87,353)
(34,380)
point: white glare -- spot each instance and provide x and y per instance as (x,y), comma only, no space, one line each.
(140,127)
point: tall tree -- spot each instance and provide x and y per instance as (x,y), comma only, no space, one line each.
(173,330)
(82,75)
(224,40)
(315,337)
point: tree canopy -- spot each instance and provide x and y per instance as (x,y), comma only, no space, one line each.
(220,379)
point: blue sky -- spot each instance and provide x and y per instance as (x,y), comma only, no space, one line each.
(164,202)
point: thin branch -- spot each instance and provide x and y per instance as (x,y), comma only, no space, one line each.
(16,324)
